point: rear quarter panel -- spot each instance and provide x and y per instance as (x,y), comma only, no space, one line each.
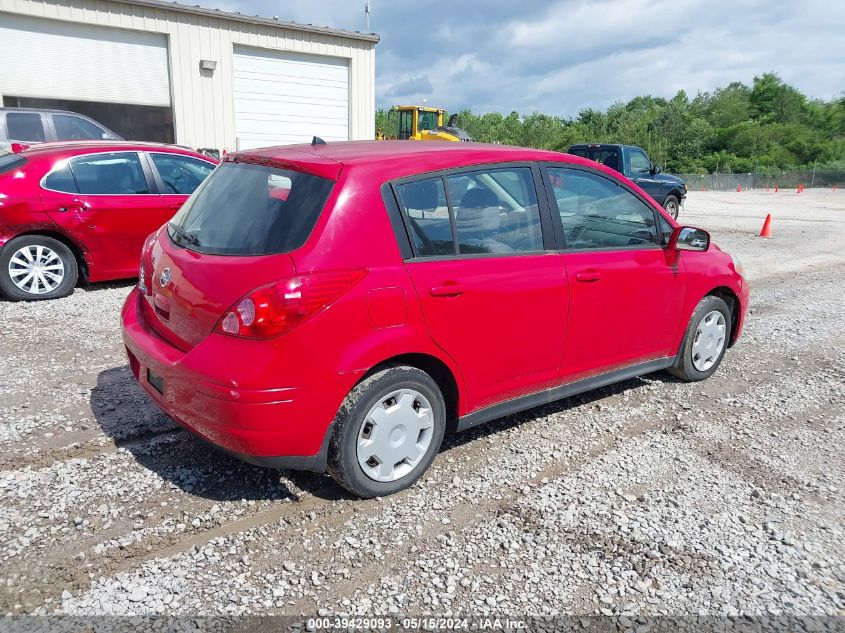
(355,232)
(21,210)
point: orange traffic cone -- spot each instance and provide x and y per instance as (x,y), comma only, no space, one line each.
(739,188)
(766,231)
(834,187)
(776,188)
(702,187)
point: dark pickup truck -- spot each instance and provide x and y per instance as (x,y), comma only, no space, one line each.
(633,162)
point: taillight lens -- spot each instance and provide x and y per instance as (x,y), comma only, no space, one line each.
(144,269)
(17,148)
(276,308)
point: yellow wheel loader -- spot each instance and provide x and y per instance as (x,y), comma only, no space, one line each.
(421,123)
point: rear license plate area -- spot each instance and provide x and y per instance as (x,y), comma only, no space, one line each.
(156,381)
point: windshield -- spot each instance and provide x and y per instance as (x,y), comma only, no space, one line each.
(245,209)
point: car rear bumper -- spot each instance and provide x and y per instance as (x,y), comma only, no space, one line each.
(270,427)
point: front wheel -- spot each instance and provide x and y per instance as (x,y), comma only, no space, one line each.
(387,432)
(672,206)
(36,267)
(705,342)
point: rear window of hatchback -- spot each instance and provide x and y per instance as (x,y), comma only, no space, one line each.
(247,209)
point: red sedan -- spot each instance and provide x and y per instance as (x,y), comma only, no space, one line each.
(84,209)
(340,306)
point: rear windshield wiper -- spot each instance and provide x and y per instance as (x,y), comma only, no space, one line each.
(183,234)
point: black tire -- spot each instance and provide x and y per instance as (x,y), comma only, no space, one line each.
(343,463)
(672,205)
(70,272)
(684,368)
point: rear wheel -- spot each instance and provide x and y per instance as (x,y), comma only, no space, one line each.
(672,206)
(34,267)
(387,432)
(705,342)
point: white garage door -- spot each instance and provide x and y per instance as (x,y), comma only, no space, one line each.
(64,60)
(283,98)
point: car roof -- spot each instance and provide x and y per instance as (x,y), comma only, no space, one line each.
(44,110)
(601,145)
(72,148)
(396,159)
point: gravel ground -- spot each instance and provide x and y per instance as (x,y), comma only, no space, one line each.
(649,497)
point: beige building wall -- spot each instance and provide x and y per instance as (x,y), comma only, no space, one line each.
(203,107)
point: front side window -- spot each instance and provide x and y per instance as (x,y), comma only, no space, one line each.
(24,126)
(75,128)
(640,164)
(427,121)
(247,209)
(665,229)
(598,213)
(180,174)
(118,173)
(496,211)
(427,216)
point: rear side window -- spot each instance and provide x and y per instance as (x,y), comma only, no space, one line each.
(496,211)
(598,213)
(487,211)
(75,128)
(24,126)
(9,162)
(245,209)
(61,179)
(118,173)
(427,215)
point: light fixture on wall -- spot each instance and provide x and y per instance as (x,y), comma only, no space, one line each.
(208,64)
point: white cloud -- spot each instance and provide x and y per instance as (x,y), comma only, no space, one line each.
(572,54)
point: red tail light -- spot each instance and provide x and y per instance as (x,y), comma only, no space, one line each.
(17,148)
(276,308)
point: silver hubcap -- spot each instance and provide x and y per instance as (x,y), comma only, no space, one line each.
(709,341)
(672,209)
(36,269)
(395,435)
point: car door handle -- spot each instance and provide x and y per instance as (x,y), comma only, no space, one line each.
(447,290)
(588,276)
(66,209)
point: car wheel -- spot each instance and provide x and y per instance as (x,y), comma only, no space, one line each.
(672,206)
(705,341)
(34,267)
(387,432)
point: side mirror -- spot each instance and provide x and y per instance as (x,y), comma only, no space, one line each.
(689,238)
(655,169)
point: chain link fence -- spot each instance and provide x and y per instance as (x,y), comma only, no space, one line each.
(781,179)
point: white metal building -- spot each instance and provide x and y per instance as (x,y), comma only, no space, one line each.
(155,70)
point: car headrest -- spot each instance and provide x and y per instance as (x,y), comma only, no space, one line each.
(420,195)
(479,198)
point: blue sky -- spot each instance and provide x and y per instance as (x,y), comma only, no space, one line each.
(559,56)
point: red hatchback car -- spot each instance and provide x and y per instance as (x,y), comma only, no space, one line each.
(85,208)
(340,306)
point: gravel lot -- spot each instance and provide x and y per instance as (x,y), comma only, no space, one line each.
(649,497)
